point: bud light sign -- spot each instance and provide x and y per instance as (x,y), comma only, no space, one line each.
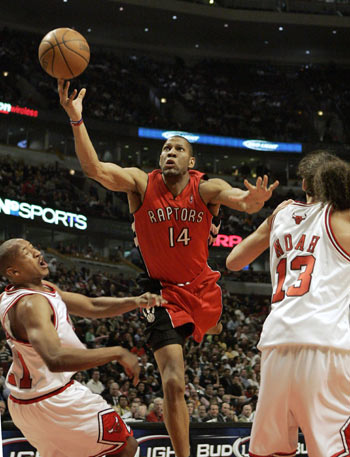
(208,440)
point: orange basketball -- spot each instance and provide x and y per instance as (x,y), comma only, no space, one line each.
(64,53)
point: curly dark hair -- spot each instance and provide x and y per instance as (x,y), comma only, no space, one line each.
(310,163)
(331,184)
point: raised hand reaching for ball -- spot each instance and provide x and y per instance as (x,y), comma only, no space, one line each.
(73,103)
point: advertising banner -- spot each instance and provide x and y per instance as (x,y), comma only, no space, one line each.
(208,440)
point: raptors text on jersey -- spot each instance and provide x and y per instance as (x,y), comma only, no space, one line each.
(172,232)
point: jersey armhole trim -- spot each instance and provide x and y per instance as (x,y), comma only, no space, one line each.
(200,195)
(331,235)
(55,320)
(144,195)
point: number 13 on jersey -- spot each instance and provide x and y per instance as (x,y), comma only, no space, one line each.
(183,237)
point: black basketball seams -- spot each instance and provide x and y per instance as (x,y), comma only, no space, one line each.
(63,56)
(47,50)
(58,44)
(73,50)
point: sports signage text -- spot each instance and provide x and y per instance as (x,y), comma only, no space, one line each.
(7,108)
(226,141)
(227,241)
(48,215)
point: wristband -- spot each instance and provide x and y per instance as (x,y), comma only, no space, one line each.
(76,123)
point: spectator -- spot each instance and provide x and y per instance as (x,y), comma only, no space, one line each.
(189,387)
(247,414)
(225,411)
(138,412)
(206,377)
(202,413)
(214,414)
(113,395)
(5,353)
(3,411)
(123,407)
(190,407)
(90,337)
(94,384)
(156,413)
(80,377)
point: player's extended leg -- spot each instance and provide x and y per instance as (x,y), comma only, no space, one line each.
(171,366)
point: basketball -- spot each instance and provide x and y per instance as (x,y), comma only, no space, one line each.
(64,53)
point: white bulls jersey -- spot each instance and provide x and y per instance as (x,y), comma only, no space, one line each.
(310,281)
(28,376)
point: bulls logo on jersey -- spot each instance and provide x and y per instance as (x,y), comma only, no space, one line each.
(111,430)
(298,219)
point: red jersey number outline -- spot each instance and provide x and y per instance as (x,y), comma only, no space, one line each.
(26,381)
(304,277)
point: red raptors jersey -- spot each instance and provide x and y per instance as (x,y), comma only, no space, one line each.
(172,232)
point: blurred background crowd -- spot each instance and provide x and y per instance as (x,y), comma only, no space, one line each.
(305,103)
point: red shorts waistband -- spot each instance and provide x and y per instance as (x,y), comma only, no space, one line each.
(42,397)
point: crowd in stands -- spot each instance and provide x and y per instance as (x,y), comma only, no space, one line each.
(222,373)
(265,101)
(53,186)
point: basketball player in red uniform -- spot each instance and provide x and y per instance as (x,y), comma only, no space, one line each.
(173,209)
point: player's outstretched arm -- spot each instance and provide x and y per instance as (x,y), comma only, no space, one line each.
(35,314)
(218,191)
(83,306)
(250,248)
(254,245)
(110,175)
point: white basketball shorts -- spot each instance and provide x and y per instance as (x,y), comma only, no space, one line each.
(308,388)
(73,423)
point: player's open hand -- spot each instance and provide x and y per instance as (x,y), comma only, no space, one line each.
(149,300)
(73,103)
(130,363)
(257,195)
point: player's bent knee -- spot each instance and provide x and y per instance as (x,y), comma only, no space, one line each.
(173,385)
(129,450)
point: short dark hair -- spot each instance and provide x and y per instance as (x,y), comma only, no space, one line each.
(188,142)
(8,252)
(123,396)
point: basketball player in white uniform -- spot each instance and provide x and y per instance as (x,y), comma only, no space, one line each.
(59,417)
(305,342)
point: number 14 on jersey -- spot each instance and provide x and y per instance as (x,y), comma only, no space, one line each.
(183,237)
